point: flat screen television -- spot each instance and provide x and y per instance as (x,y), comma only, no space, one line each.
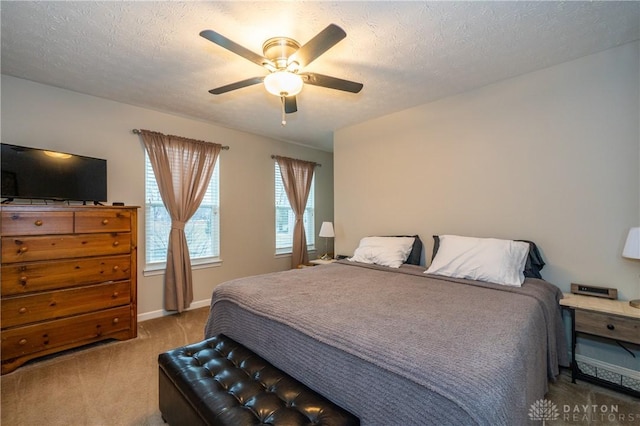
(32,173)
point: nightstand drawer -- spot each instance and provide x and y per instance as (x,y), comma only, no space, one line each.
(609,326)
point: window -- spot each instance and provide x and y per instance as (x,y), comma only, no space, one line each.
(286,219)
(202,230)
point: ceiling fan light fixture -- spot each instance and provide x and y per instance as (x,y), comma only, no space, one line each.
(283,83)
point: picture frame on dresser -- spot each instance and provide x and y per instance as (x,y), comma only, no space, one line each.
(69,278)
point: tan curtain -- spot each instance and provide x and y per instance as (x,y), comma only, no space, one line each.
(183,169)
(296,177)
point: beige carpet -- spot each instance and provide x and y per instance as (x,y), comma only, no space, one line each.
(116,383)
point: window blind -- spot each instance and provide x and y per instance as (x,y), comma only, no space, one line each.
(202,230)
(285,218)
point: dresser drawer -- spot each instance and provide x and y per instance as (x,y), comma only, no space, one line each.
(36,223)
(26,249)
(103,220)
(28,309)
(24,278)
(610,326)
(25,340)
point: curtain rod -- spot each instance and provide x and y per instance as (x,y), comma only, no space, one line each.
(137,132)
(317,164)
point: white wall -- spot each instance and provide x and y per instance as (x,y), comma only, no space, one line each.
(551,156)
(47,117)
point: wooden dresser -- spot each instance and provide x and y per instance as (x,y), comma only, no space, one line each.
(68,278)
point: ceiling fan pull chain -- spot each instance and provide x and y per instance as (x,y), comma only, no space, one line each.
(284,117)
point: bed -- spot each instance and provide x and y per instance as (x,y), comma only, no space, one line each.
(398,346)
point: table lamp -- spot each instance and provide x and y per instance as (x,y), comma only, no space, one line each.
(326,231)
(632,251)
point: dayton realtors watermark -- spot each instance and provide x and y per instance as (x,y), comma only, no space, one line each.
(581,413)
(546,411)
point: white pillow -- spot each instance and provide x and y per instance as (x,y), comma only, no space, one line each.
(385,251)
(483,259)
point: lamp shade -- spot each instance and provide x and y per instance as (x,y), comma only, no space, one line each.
(283,83)
(326,230)
(632,246)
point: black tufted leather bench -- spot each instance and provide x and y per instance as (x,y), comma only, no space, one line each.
(220,382)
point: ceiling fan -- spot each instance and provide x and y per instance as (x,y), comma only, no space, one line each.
(284,58)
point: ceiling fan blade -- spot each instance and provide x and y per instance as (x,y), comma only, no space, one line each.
(315,47)
(331,82)
(234,47)
(236,85)
(290,104)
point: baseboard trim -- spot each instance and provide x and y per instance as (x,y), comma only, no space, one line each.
(162,313)
(623,371)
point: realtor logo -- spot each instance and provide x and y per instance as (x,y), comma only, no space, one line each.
(544,410)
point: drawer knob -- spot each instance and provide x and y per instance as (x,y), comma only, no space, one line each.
(105,221)
(116,320)
(116,243)
(22,342)
(23,280)
(611,327)
(22,310)
(116,267)
(23,249)
(38,222)
(115,294)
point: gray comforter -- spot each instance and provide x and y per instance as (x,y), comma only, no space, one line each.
(398,347)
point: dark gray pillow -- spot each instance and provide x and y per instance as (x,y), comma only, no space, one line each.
(534,261)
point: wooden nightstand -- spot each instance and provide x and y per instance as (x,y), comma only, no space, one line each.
(610,319)
(321,261)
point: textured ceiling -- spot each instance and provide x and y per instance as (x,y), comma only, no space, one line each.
(405,53)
